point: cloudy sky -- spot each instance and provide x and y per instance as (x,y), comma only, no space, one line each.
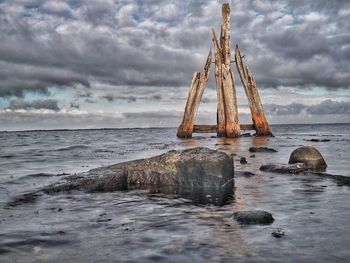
(129,63)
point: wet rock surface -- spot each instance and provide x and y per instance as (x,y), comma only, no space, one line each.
(201,174)
(253,217)
(261,149)
(310,156)
(284,168)
(278,232)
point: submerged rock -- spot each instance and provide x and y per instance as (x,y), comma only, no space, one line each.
(24,199)
(193,173)
(243,160)
(261,149)
(278,232)
(318,140)
(253,217)
(284,168)
(309,156)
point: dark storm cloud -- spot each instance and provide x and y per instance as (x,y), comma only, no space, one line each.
(112,98)
(74,105)
(323,108)
(129,99)
(293,108)
(156,43)
(18,78)
(20,104)
(330,107)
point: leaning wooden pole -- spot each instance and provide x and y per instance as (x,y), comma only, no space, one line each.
(228,84)
(260,123)
(195,94)
(221,120)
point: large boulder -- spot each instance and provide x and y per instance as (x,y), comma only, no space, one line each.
(309,156)
(201,174)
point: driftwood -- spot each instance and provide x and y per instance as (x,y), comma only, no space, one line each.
(214,128)
(198,84)
(250,87)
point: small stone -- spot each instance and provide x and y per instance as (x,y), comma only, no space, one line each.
(278,232)
(253,217)
(243,160)
(261,149)
(104,220)
(252,156)
(319,140)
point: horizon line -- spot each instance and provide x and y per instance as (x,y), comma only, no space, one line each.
(124,128)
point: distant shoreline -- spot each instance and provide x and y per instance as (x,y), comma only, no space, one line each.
(146,128)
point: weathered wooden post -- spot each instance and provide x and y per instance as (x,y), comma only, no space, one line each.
(227,113)
(260,123)
(221,120)
(198,84)
(228,84)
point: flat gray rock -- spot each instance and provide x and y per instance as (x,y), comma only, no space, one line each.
(193,173)
(284,168)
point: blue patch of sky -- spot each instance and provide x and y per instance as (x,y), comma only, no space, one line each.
(4,103)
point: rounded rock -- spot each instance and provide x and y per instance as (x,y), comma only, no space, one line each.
(309,156)
(253,217)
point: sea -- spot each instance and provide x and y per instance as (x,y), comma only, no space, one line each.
(139,226)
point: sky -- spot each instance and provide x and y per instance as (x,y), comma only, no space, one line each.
(129,63)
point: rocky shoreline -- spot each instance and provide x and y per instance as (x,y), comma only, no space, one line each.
(199,174)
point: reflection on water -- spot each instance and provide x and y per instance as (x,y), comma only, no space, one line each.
(147,226)
(260,141)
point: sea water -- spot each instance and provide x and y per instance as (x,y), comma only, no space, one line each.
(138,226)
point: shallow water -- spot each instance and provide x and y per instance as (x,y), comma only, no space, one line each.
(138,226)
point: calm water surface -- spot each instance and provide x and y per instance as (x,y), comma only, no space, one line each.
(137,226)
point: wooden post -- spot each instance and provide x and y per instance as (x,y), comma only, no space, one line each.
(260,123)
(228,84)
(221,121)
(204,128)
(198,84)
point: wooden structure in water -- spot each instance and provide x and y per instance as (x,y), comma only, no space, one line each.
(227,113)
